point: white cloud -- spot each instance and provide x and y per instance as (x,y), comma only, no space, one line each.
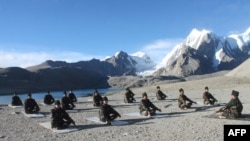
(160,48)
(18,59)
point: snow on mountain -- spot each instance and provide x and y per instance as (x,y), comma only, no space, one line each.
(143,62)
(196,37)
(207,48)
(139,61)
(194,40)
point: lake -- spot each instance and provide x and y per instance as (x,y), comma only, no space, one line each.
(6,99)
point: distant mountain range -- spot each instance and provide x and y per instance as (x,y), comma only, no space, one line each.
(60,75)
(201,52)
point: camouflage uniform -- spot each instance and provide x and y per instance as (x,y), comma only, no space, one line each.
(72,97)
(160,95)
(67,104)
(208,98)
(129,96)
(48,99)
(97,100)
(233,109)
(30,106)
(60,118)
(182,102)
(16,101)
(107,113)
(147,106)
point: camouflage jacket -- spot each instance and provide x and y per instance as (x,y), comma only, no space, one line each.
(234,105)
(146,105)
(182,100)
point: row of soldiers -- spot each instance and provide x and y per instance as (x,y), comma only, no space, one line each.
(233,108)
(31,106)
(60,118)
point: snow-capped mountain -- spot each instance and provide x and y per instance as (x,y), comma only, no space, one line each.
(204,52)
(131,64)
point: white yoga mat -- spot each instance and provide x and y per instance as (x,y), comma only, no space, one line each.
(14,106)
(137,114)
(71,111)
(48,126)
(33,115)
(114,122)
(126,103)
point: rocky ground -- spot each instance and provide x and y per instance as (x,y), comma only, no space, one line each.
(179,125)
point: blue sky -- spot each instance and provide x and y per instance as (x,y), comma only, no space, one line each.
(32,31)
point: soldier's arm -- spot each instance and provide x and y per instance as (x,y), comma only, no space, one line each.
(154,107)
(68,118)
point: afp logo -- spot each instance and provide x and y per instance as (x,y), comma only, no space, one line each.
(236,132)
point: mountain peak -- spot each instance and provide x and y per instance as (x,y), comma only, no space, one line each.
(141,55)
(120,54)
(247,32)
(196,37)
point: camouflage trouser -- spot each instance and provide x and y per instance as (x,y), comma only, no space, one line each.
(60,124)
(231,113)
(188,105)
(146,112)
(160,97)
(130,100)
(109,117)
(211,102)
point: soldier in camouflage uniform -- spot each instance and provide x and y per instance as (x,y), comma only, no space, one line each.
(233,108)
(159,94)
(60,118)
(183,101)
(129,96)
(30,105)
(208,98)
(16,101)
(147,106)
(107,113)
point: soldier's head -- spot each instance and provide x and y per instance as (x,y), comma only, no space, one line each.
(127,89)
(14,93)
(181,91)
(57,104)
(95,93)
(158,87)
(144,95)
(105,100)
(206,89)
(234,94)
(64,93)
(29,95)
(48,92)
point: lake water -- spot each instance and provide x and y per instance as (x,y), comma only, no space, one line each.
(6,99)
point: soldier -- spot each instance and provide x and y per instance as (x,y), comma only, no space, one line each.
(30,105)
(107,113)
(67,104)
(233,108)
(72,96)
(48,99)
(184,102)
(146,107)
(16,101)
(60,118)
(159,94)
(208,98)
(97,99)
(129,96)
